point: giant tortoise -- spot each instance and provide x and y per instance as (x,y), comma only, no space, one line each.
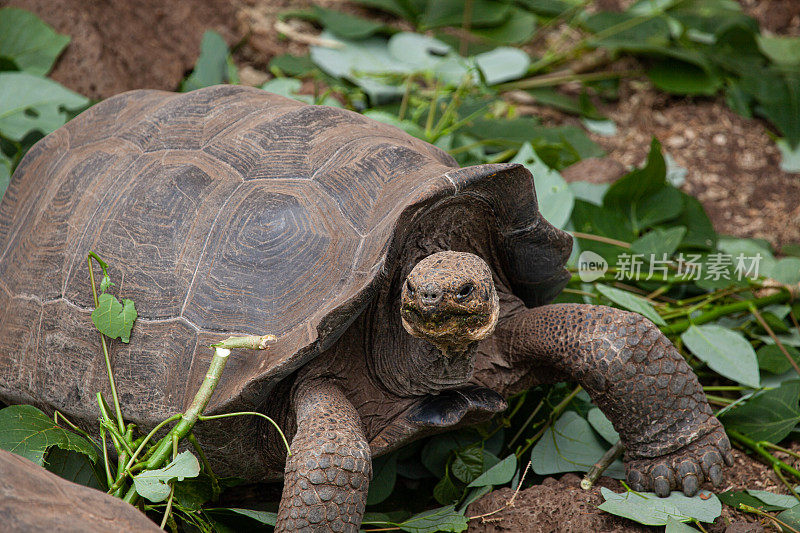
(407,294)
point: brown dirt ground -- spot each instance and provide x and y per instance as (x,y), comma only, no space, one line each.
(560,505)
(733,165)
(119,45)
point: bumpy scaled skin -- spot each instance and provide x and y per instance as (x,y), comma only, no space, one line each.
(637,378)
(328,473)
(449,299)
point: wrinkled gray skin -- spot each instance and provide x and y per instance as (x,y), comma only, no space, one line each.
(464,326)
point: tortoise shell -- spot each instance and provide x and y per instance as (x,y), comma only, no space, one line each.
(227,210)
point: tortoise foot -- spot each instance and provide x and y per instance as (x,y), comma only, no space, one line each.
(684,469)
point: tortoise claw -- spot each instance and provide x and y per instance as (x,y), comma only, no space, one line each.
(684,469)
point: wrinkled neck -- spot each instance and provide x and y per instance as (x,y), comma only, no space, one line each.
(407,366)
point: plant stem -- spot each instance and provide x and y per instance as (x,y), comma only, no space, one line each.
(784,525)
(556,412)
(109,477)
(772,335)
(548,80)
(203,418)
(758,447)
(187,419)
(215,490)
(76,429)
(597,469)
(465,25)
(248,342)
(526,423)
(728,309)
(719,400)
(599,238)
(120,420)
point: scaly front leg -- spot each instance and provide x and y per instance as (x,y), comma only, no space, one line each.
(637,378)
(328,473)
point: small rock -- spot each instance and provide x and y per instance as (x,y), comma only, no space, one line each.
(252,77)
(719,139)
(676,141)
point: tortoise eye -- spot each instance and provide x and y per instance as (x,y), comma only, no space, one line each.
(409,288)
(465,291)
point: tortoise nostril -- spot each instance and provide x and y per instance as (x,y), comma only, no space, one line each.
(429,294)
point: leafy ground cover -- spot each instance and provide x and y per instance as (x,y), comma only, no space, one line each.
(641,243)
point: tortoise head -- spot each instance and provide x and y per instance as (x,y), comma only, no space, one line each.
(449,299)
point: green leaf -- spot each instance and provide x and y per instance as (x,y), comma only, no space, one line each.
(639,183)
(589,192)
(362,62)
(778,95)
(289,65)
(790,157)
(437,450)
(468,464)
(192,493)
(786,270)
(749,248)
(5,173)
(290,87)
(791,517)
(547,8)
(451,13)
(602,425)
(624,31)
(31,103)
(75,467)
(644,195)
(724,351)
(442,519)
(658,242)
(673,526)
(631,302)
(153,484)
(771,358)
(404,9)
(680,77)
(387,118)
(734,498)
(784,501)
(518,28)
(662,206)
(213,64)
(28,432)
(770,416)
(597,220)
(446,492)
(30,43)
(605,127)
(264,517)
(555,197)
(499,474)
(781,50)
(113,319)
(647,508)
(345,25)
(570,445)
(384,476)
(503,64)
(699,230)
